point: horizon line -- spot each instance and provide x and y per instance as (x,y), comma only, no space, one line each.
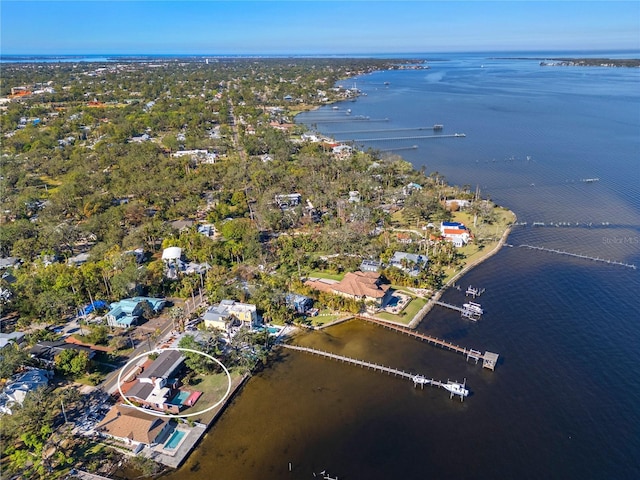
(314,54)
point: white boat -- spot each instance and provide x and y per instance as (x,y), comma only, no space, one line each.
(473,307)
(456,388)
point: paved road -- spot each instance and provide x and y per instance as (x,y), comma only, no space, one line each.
(165,327)
(162,323)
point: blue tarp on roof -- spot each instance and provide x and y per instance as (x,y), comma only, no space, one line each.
(87,309)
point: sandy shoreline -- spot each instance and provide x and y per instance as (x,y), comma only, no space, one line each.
(436,297)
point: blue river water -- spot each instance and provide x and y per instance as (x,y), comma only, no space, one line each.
(564,400)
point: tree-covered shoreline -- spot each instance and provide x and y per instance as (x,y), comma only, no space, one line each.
(106,165)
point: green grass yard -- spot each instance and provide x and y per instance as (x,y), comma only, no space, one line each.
(213,388)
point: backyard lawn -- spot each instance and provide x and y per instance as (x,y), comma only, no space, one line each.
(213,388)
(407,313)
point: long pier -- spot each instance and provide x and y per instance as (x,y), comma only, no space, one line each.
(411,137)
(489,359)
(381,130)
(416,379)
(347,119)
(412,147)
(577,255)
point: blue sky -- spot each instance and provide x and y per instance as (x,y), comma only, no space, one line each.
(314,27)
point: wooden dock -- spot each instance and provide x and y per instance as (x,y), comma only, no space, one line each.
(415,378)
(489,358)
(472,311)
(411,137)
(384,130)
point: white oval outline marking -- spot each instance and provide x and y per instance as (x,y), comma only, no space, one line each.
(166,415)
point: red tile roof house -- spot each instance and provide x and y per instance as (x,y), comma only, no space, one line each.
(357,285)
(455,232)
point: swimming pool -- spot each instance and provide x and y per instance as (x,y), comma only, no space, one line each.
(271,330)
(174,441)
(180,398)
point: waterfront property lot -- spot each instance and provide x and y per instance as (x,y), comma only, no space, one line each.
(325,317)
(213,388)
(407,314)
(487,237)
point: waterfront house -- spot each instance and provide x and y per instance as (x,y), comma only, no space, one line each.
(297,302)
(366,286)
(158,383)
(230,314)
(134,427)
(457,204)
(455,232)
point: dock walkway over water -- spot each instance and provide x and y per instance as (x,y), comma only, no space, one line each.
(416,379)
(410,137)
(472,311)
(489,359)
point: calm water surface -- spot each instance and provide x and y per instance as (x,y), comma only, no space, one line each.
(563,401)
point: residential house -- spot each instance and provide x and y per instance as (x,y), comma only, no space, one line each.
(47,351)
(370,266)
(411,263)
(455,232)
(404,238)
(156,386)
(78,260)
(16,390)
(354,196)
(126,312)
(181,226)
(207,229)
(457,204)
(228,314)
(134,427)
(341,151)
(310,137)
(174,264)
(410,188)
(299,303)
(141,138)
(13,337)
(288,200)
(198,156)
(365,286)
(9,262)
